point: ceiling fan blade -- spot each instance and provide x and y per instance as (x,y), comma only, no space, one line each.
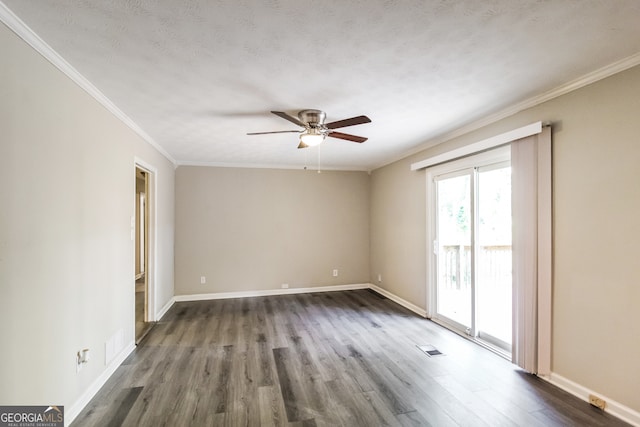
(288,117)
(348,122)
(347,136)
(277,131)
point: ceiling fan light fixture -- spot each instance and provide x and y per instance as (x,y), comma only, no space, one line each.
(315,130)
(311,137)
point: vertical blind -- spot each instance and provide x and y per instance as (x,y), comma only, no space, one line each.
(531,210)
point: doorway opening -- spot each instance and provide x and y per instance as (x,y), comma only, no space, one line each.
(471,264)
(141,238)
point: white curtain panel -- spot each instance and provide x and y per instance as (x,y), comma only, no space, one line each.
(531,211)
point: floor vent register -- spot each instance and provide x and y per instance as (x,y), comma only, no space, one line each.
(430,350)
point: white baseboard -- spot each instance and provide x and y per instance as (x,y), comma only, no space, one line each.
(393,297)
(247,294)
(85,398)
(268,292)
(164,309)
(614,408)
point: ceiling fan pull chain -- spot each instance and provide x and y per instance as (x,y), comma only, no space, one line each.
(319,149)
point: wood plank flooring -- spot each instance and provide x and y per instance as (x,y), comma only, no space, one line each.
(324,359)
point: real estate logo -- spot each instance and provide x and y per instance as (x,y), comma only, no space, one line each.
(32,416)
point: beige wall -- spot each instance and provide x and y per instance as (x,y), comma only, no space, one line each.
(67,186)
(596,166)
(255,229)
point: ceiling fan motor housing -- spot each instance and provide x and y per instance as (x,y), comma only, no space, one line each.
(314,118)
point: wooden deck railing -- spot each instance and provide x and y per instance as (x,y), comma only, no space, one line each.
(494,264)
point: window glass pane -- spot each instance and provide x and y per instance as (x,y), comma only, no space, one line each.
(454,249)
(494,256)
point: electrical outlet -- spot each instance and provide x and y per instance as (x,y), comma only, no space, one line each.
(379,277)
(597,402)
(82,358)
(285,286)
(335,273)
(203,280)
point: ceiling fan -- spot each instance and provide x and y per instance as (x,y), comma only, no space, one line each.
(316,130)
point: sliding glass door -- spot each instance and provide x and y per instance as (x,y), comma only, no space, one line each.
(455,293)
(472,247)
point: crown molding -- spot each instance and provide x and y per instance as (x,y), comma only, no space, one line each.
(585,80)
(270,166)
(22,30)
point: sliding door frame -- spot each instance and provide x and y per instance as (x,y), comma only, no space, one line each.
(441,318)
(494,156)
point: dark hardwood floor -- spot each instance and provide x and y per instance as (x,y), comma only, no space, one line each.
(323,359)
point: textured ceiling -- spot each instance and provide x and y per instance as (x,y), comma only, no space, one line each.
(196,75)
